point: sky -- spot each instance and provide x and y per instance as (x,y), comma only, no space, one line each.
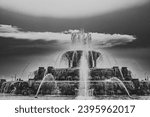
(34,32)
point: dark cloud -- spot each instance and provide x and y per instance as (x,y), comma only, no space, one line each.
(25,47)
(15,54)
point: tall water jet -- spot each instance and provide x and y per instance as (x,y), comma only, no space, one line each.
(82,41)
(84,76)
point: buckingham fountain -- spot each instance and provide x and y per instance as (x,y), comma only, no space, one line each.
(82,78)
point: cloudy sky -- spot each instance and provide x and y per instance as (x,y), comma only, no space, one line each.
(34,32)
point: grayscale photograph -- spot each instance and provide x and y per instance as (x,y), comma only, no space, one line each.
(74,50)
